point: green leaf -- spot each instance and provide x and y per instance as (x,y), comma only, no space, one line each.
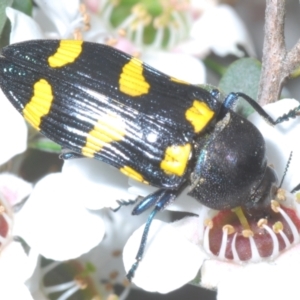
(242,76)
(44,144)
(24,6)
(3,18)
(215,66)
(295,73)
(5,34)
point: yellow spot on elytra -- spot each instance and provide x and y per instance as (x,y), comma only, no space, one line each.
(178,80)
(175,160)
(40,103)
(108,129)
(199,114)
(132,81)
(66,53)
(133,174)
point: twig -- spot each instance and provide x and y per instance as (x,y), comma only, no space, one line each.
(277,62)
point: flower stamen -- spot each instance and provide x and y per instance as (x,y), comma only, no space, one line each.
(291,224)
(237,235)
(208,226)
(234,250)
(262,222)
(281,194)
(227,229)
(274,240)
(247,233)
(254,251)
(275,205)
(278,228)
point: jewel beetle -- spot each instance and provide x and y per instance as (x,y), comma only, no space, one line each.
(98,102)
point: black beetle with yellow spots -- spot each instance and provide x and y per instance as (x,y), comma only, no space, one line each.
(98,102)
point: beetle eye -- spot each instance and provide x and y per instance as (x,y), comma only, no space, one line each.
(266,191)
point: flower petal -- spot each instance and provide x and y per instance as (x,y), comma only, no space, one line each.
(23,28)
(54,223)
(281,140)
(64,14)
(178,65)
(15,266)
(99,183)
(13,131)
(260,281)
(13,189)
(183,202)
(13,291)
(215,271)
(233,280)
(220,30)
(164,268)
(107,256)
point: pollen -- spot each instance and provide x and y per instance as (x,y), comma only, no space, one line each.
(262,222)
(209,223)
(277,227)
(281,195)
(81,282)
(230,229)
(275,205)
(247,233)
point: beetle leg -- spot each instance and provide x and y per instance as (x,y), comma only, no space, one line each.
(69,154)
(123,203)
(161,199)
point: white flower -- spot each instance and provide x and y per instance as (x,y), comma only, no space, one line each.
(54,222)
(95,272)
(15,265)
(230,279)
(178,65)
(219,29)
(13,189)
(65,15)
(97,183)
(191,27)
(107,256)
(22,27)
(173,259)
(170,259)
(13,131)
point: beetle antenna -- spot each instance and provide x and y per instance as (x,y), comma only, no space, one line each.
(286,168)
